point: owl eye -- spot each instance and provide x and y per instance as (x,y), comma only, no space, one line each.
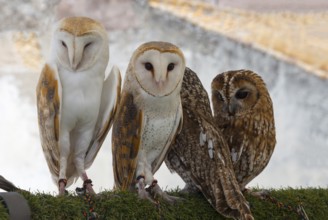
(149,66)
(170,67)
(64,45)
(87,45)
(241,94)
(219,96)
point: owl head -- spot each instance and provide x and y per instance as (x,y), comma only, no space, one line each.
(239,92)
(78,43)
(158,67)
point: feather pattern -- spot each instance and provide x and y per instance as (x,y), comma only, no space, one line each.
(48,105)
(126,139)
(200,155)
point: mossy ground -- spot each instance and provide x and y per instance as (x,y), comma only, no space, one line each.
(125,205)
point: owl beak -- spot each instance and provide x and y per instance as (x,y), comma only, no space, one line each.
(232,110)
(160,80)
(75,57)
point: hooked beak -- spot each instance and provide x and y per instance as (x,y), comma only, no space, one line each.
(75,56)
(160,80)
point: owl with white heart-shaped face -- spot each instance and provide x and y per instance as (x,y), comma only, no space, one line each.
(75,102)
(148,117)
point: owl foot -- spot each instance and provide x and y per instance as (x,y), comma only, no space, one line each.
(258,194)
(156,191)
(142,192)
(61,185)
(87,184)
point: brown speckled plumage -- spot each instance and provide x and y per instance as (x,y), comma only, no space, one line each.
(201,156)
(247,123)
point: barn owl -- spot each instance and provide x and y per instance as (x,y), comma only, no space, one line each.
(243,111)
(75,102)
(200,155)
(148,117)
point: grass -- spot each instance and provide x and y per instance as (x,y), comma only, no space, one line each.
(125,205)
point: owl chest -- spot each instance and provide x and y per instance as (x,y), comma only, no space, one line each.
(157,131)
(80,99)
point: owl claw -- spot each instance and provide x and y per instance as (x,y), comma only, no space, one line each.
(157,191)
(260,194)
(87,185)
(142,192)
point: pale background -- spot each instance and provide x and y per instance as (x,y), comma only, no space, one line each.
(300,156)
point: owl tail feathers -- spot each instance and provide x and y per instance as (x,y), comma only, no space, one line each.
(235,200)
(246,214)
(7,185)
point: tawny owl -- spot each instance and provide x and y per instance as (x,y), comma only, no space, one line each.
(75,102)
(149,115)
(200,155)
(243,111)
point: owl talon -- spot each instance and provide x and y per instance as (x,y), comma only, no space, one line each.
(260,194)
(87,185)
(157,191)
(142,192)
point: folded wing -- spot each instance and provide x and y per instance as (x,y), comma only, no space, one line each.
(48,106)
(126,140)
(110,98)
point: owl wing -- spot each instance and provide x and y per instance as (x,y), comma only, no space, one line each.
(219,183)
(49,93)
(126,139)
(202,154)
(225,173)
(110,98)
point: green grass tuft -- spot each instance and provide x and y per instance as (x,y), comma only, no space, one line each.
(125,205)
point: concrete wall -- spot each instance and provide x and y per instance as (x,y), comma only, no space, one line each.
(299,98)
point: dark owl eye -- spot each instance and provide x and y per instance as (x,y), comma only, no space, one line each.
(63,43)
(170,67)
(87,45)
(219,96)
(148,66)
(241,94)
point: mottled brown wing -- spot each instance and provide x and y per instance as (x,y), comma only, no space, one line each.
(110,98)
(48,105)
(201,154)
(126,138)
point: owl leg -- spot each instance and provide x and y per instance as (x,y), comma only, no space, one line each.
(142,192)
(157,191)
(61,186)
(87,183)
(64,147)
(81,148)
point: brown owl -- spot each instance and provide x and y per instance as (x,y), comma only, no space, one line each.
(243,111)
(200,155)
